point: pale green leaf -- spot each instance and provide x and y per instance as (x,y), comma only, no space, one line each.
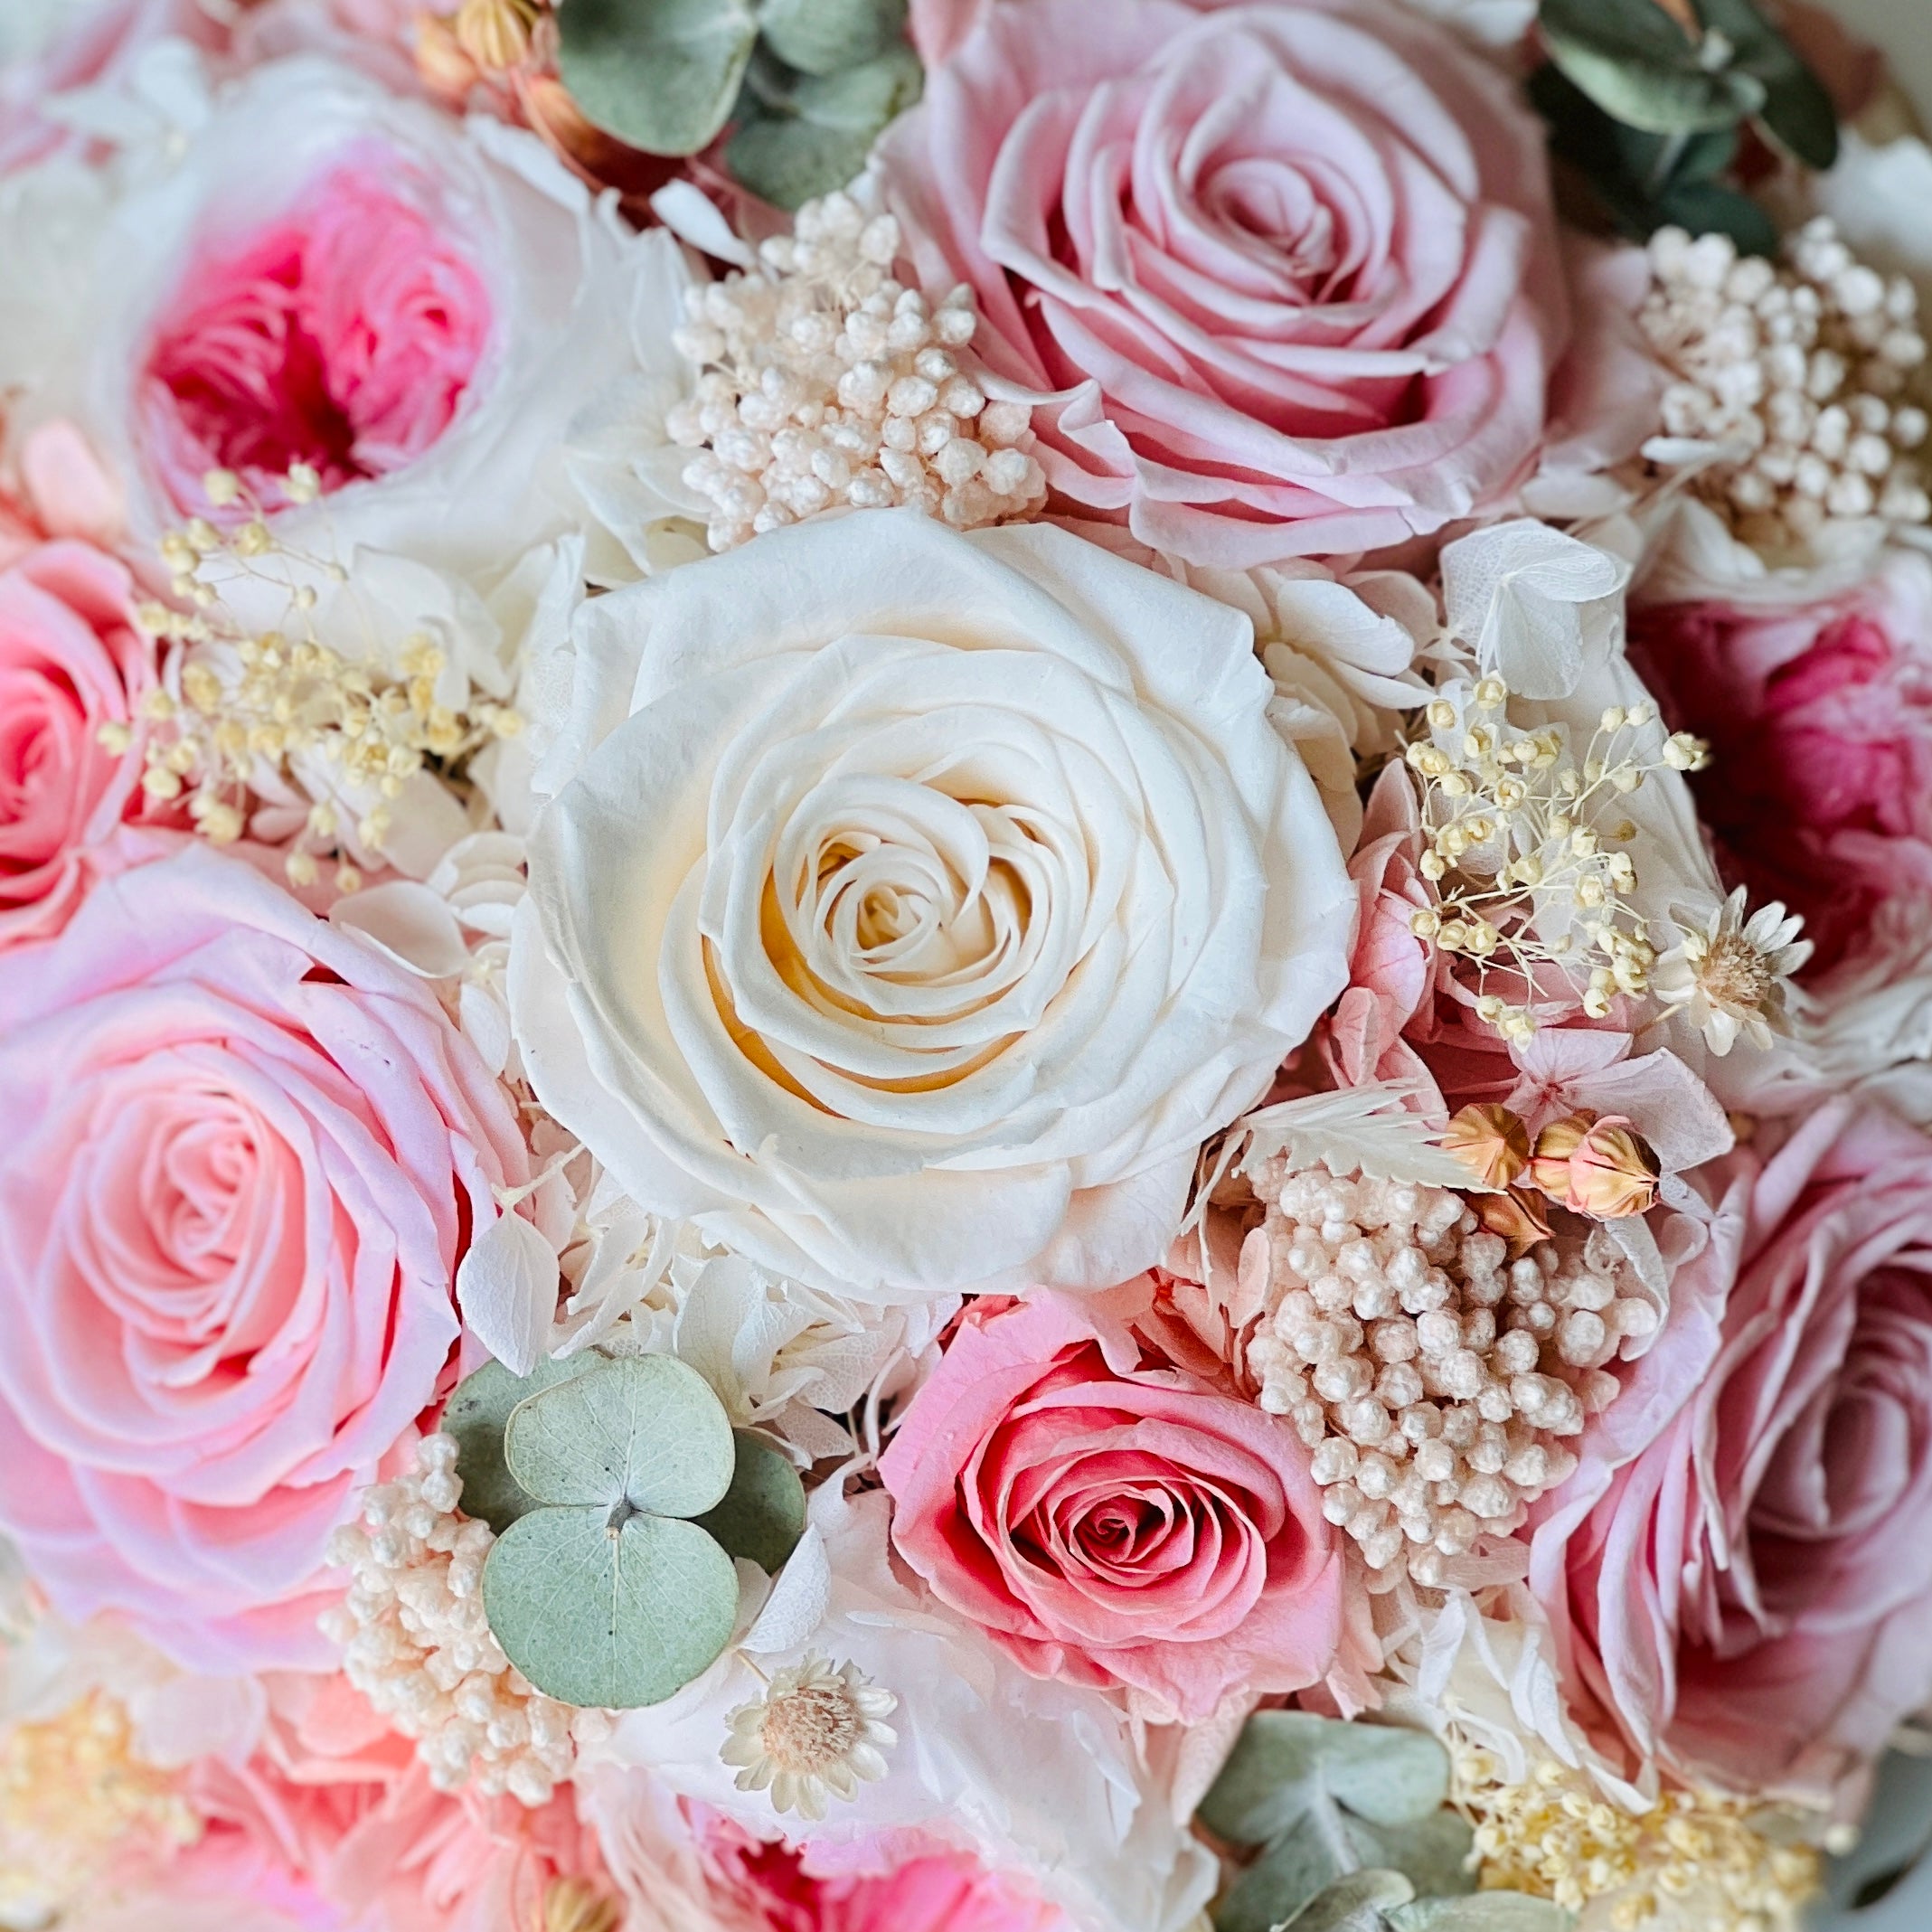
(827,36)
(1483,1911)
(603,1609)
(805,137)
(644,1429)
(1354,1904)
(659,74)
(762,1515)
(476,1416)
(1285,1760)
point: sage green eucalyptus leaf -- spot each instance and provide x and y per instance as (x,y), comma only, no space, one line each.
(1326,1844)
(1354,1904)
(762,1515)
(1637,64)
(801,137)
(1284,1761)
(1431,1852)
(827,36)
(642,1429)
(476,1416)
(659,74)
(1709,208)
(1798,111)
(1483,1911)
(608,1607)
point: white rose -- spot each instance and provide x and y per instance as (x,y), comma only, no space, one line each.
(910,905)
(546,303)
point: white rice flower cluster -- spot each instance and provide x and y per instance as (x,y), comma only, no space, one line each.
(415,1641)
(826,383)
(1432,1378)
(1804,373)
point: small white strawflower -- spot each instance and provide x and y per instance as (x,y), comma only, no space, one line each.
(1734,976)
(816,1730)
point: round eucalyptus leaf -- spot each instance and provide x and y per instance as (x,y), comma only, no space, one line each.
(476,1416)
(609,1612)
(644,1429)
(659,74)
(1284,1761)
(762,1515)
(1483,1911)
(806,136)
(827,36)
(1352,1904)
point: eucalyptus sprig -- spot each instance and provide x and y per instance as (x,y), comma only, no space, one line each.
(620,1494)
(1649,100)
(1355,1834)
(809,83)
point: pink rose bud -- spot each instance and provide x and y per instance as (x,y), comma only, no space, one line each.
(1600,1167)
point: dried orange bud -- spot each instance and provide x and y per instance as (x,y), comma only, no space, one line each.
(1490,1142)
(1515,1215)
(1602,1168)
(496,34)
(445,69)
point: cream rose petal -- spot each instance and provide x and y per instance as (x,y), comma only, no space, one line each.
(908,905)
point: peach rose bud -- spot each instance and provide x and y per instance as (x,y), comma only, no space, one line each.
(1490,1142)
(1602,1168)
(1514,1214)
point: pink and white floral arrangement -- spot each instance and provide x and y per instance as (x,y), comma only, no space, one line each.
(960,974)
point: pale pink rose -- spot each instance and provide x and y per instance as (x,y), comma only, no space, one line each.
(1741,1571)
(1283,278)
(1820,785)
(939,27)
(344,335)
(1111,1520)
(334,1821)
(72,663)
(98,48)
(245,1155)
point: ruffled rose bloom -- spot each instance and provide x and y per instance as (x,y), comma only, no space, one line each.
(74,671)
(245,1155)
(1740,1572)
(332,1820)
(415,308)
(1111,1521)
(1820,785)
(1284,278)
(910,906)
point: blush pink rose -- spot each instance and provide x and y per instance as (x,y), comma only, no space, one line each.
(343,335)
(1820,785)
(1741,1569)
(1108,1519)
(73,662)
(245,1155)
(334,1821)
(1283,278)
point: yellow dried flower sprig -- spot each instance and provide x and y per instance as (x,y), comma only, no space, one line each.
(239,706)
(1530,870)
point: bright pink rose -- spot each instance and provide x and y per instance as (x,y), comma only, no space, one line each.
(1283,276)
(71,662)
(344,335)
(1109,1519)
(334,1821)
(1820,785)
(948,1893)
(245,1154)
(1741,1569)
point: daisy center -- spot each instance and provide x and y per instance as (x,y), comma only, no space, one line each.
(809,1727)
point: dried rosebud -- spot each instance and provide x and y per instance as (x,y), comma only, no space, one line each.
(444,68)
(1490,1142)
(1602,1168)
(496,34)
(1516,1215)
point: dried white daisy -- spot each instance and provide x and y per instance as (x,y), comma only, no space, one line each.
(1734,976)
(815,1731)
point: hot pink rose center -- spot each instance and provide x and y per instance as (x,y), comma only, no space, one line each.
(345,337)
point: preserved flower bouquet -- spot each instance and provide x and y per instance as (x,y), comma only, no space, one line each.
(962,968)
